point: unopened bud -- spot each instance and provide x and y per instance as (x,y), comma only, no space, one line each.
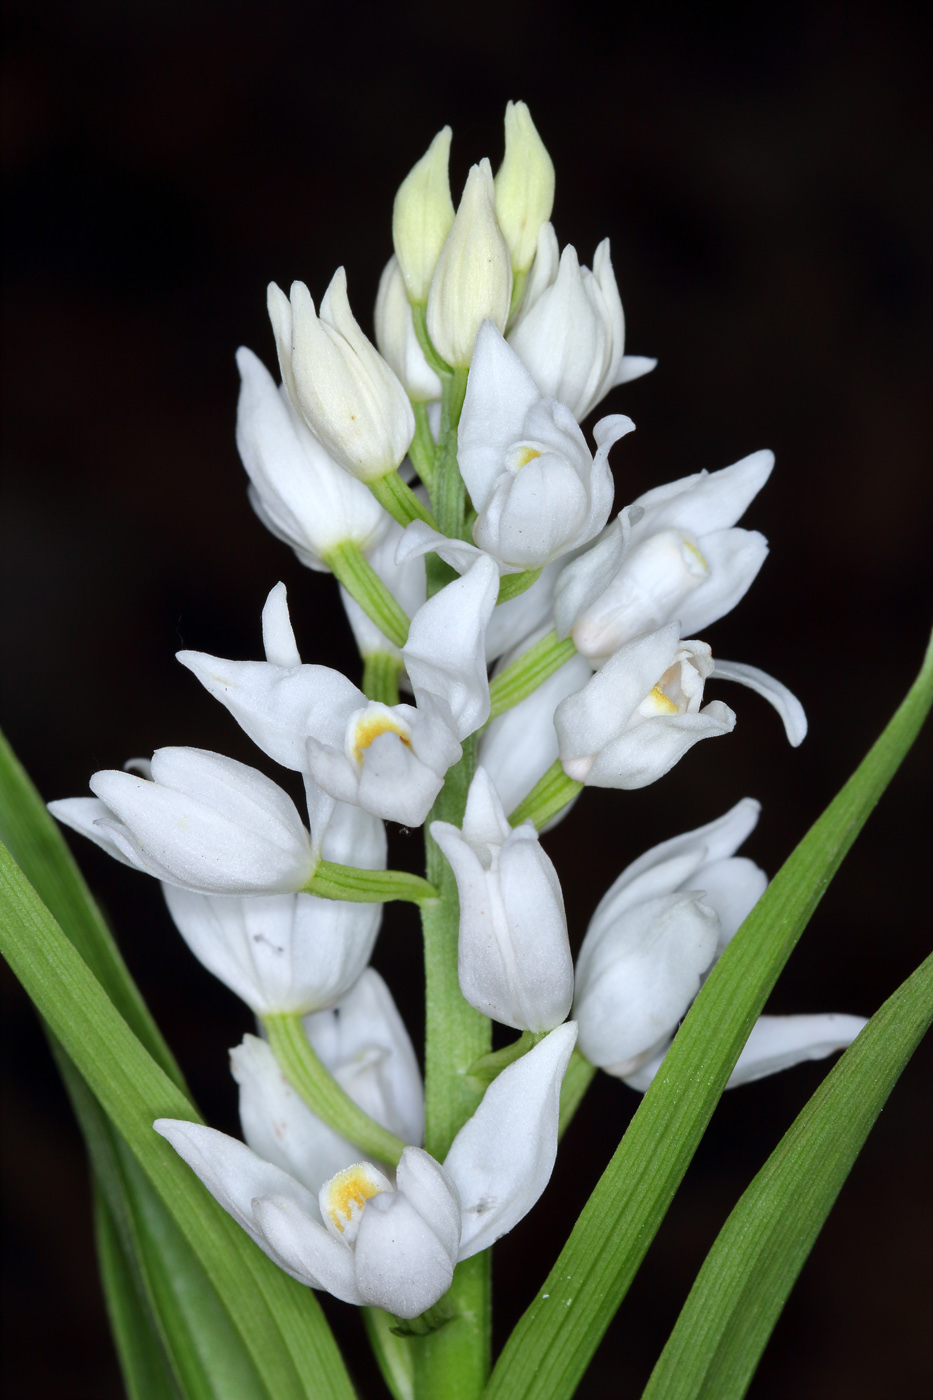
(472,282)
(524,186)
(422,217)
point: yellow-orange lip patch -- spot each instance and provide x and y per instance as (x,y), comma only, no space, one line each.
(348,1189)
(370,727)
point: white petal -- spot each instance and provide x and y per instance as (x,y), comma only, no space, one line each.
(278,637)
(499,394)
(401,1264)
(446,648)
(93,819)
(419,538)
(641,756)
(433,1194)
(734,558)
(732,887)
(502,1158)
(708,500)
(633,367)
(784,701)
(778,1042)
(714,841)
(306,1249)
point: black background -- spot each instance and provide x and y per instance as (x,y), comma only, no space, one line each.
(763,176)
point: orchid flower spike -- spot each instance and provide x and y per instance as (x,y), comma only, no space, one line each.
(654,935)
(640,714)
(339,383)
(289,953)
(513,952)
(529,472)
(673,554)
(364,1044)
(296,488)
(202,822)
(390,760)
(569,331)
(394,1245)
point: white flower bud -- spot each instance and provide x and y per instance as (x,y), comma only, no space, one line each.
(422,216)
(342,387)
(396,338)
(472,281)
(524,186)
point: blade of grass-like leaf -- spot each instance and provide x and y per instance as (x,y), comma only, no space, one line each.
(280,1322)
(145,1368)
(739,1292)
(554,1340)
(201,1347)
(38,847)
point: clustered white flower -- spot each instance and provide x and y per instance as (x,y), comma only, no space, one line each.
(482,291)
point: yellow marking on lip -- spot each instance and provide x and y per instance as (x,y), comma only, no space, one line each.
(526,455)
(369,729)
(663,704)
(693,550)
(349,1188)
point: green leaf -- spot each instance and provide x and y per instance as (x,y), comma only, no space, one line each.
(35,841)
(749,1272)
(554,1340)
(280,1322)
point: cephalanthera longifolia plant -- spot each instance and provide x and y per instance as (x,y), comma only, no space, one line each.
(521,640)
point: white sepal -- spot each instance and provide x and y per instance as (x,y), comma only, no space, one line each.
(530,474)
(446,649)
(502,1158)
(793,715)
(298,490)
(472,281)
(396,338)
(641,713)
(346,393)
(513,952)
(204,822)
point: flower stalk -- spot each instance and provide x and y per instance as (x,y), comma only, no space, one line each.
(350,567)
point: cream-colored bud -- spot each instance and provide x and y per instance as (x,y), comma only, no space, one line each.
(472,282)
(524,186)
(396,338)
(422,217)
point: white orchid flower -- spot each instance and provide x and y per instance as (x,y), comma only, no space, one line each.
(569,331)
(673,554)
(640,714)
(296,488)
(529,472)
(513,953)
(396,338)
(472,280)
(390,760)
(289,952)
(776,1043)
(369,1240)
(364,1044)
(346,393)
(654,935)
(203,822)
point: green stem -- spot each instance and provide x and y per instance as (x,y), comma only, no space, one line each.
(549,796)
(396,497)
(380,677)
(321,1092)
(511,585)
(526,673)
(419,313)
(448,496)
(489,1067)
(453,1362)
(518,290)
(333,881)
(423,449)
(350,567)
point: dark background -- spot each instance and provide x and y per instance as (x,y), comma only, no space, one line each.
(764,180)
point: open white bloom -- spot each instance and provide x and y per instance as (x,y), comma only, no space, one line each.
(396,338)
(394,1244)
(640,714)
(673,553)
(364,1044)
(349,397)
(289,952)
(529,472)
(422,217)
(391,760)
(776,1043)
(298,491)
(472,281)
(524,186)
(513,953)
(655,933)
(569,331)
(204,822)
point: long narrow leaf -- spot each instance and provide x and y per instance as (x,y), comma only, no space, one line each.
(38,847)
(739,1292)
(280,1322)
(554,1340)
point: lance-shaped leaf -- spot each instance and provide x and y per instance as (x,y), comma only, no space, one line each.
(553,1342)
(750,1270)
